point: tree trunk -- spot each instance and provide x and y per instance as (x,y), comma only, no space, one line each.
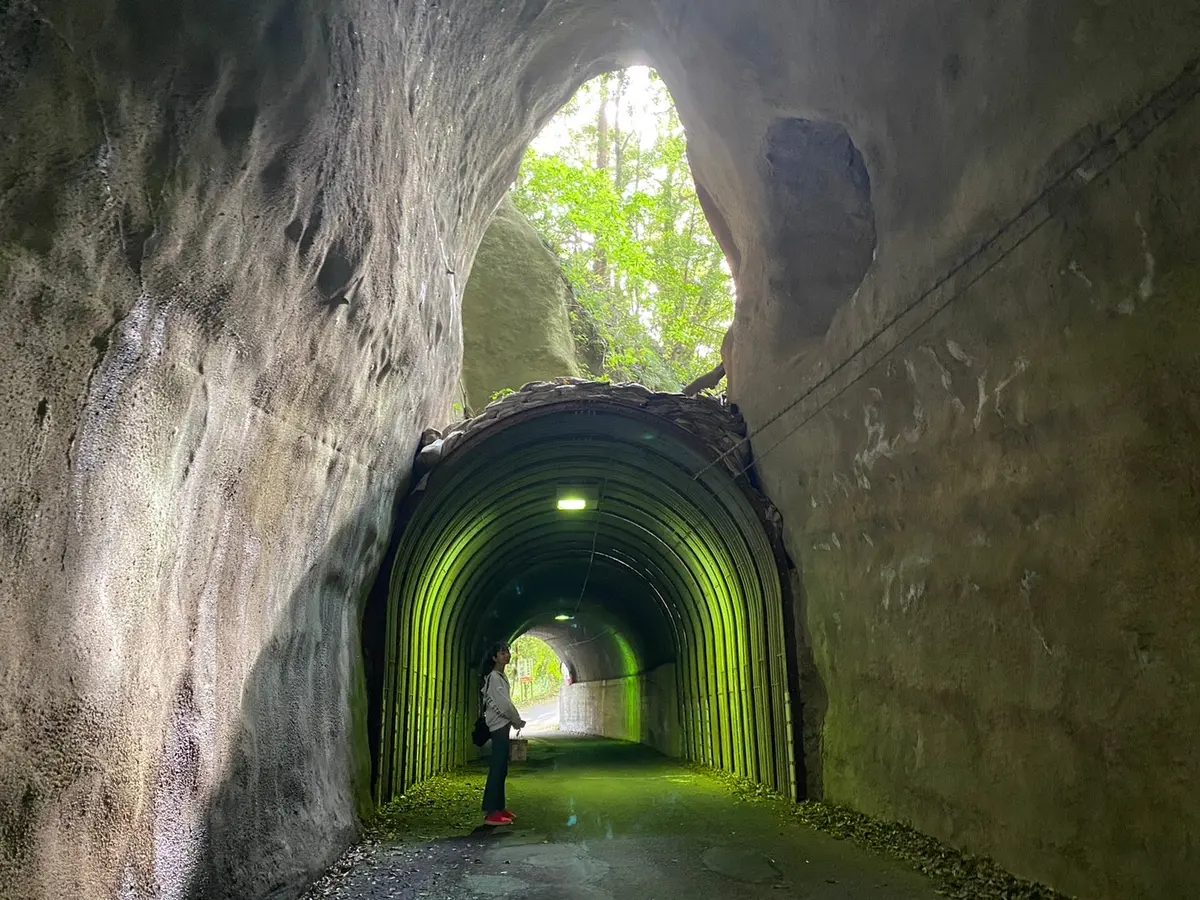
(618,143)
(600,266)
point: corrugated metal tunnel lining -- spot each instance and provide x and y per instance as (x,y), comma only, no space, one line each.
(663,595)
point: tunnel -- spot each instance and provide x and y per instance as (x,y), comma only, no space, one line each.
(623,528)
(234,239)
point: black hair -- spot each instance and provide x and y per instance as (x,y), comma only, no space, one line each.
(489,660)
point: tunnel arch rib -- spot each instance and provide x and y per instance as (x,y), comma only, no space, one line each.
(664,596)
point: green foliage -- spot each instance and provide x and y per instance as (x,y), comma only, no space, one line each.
(533,658)
(619,207)
(501,394)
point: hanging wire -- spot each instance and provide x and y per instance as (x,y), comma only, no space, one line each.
(1125,138)
(592,555)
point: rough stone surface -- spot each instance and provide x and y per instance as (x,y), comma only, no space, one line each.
(996,522)
(232,237)
(712,420)
(516,327)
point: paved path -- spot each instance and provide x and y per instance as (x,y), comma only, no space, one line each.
(599,820)
(541,718)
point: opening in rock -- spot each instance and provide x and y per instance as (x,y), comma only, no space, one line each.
(620,276)
(537,673)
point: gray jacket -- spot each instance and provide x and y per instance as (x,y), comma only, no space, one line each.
(498,708)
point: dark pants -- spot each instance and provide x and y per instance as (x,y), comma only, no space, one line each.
(493,794)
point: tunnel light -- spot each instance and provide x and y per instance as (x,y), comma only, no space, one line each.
(577,497)
(563,617)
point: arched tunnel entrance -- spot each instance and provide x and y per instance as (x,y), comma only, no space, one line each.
(618,526)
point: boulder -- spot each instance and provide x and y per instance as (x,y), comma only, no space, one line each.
(514,312)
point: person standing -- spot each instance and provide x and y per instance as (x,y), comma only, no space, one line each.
(501,715)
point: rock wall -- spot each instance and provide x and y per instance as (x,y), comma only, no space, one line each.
(232,238)
(998,529)
(516,327)
(992,501)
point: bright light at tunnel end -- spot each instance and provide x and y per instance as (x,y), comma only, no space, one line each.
(572,503)
(563,617)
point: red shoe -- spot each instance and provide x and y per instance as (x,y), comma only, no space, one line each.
(497,820)
(509,816)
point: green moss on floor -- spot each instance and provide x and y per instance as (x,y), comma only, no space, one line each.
(444,806)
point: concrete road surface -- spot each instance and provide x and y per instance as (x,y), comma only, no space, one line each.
(601,820)
(542,717)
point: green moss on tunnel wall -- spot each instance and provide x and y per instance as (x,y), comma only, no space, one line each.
(515,323)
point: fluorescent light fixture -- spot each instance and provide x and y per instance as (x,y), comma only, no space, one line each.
(577,497)
(563,617)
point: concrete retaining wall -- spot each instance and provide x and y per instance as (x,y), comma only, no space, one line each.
(640,708)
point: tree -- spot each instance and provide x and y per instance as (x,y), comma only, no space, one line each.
(617,203)
(534,659)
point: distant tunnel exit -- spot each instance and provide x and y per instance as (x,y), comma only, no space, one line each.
(613,524)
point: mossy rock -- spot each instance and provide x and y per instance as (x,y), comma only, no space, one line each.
(515,321)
